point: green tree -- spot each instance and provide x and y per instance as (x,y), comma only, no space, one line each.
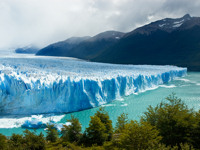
(16,142)
(52,133)
(105,119)
(122,120)
(3,143)
(96,132)
(72,133)
(195,132)
(33,141)
(137,136)
(173,120)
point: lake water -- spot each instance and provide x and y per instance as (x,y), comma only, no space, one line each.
(186,88)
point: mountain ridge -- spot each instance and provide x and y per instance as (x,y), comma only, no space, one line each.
(163,42)
(85,48)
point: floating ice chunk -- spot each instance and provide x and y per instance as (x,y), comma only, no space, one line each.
(33,124)
(68,123)
(168,86)
(182,79)
(58,126)
(124,105)
(17,121)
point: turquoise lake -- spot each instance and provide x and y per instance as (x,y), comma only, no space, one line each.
(186,88)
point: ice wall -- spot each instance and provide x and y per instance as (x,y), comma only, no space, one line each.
(46,85)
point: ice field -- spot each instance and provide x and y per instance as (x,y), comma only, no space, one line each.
(35,85)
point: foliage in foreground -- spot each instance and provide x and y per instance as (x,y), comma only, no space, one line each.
(176,123)
(72,133)
(52,133)
(168,126)
(138,136)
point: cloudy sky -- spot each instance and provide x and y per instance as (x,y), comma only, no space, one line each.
(40,22)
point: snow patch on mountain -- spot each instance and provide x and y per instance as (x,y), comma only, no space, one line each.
(162,25)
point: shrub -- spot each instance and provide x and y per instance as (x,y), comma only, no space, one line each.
(195,132)
(173,120)
(16,142)
(3,143)
(136,136)
(72,133)
(52,133)
(122,120)
(96,132)
(105,119)
(33,141)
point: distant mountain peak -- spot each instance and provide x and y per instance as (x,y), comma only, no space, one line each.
(187,16)
(107,35)
(30,49)
(76,40)
(172,22)
(168,24)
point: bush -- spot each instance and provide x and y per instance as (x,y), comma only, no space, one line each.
(96,132)
(33,141)
(173,120)
(195,132)
(16,142)
(138,136)
(52,133)
(105,119)
(122,120)
(72,133)
(3,143)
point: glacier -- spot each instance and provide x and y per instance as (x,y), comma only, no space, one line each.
(36,84)
(35,123)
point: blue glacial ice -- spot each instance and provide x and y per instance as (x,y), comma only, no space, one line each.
(34,123)
(34,85)
(37,122)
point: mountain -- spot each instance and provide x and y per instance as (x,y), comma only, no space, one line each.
(27,50)
(164,42)
(61,48)
(95,45)
(86,48)
(167,24)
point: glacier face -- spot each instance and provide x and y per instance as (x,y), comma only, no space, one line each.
(34,85)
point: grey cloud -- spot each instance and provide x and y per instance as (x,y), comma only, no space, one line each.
(40,22)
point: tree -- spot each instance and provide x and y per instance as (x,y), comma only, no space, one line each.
(33,141)
(122,120)
(136,136)
(173,120)
(52,133)
(72,133)
(16,142)
(195,132)
(3,142)
(105,119)
(100,129)
(96,132)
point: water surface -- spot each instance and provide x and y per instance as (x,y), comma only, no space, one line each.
(187,88)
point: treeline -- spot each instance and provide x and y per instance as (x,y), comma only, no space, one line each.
(171,125)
